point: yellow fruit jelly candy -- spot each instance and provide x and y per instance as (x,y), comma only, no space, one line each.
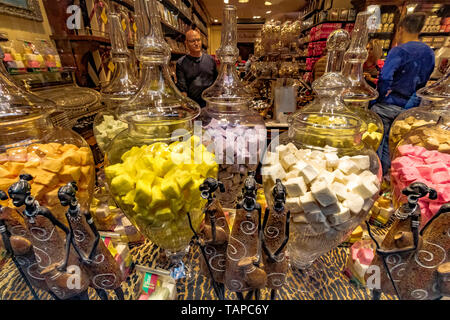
(71,157)
(213,172)
(184,180)
(158,198)
(368,138)
(113,171)
(5,173)
(51,197)
(56,146)
(143,193)
(176,205)
(86,156)
(129,167)
(70,173)
(164,214)
(122,184)
(128,199)
(86,173)
(14,168)
(170,188)
(372,127)
(52,165)
(34,161)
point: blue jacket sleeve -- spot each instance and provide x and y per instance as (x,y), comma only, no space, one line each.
(393,62)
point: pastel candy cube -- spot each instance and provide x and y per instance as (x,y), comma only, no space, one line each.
(288,161)
(323,193)
(442,177)
(347,166)
(362,162)
(340,218)
(296,187)
(308,203)
(355,204)
(293,204)
(315,217)
(425,171)
(332,160)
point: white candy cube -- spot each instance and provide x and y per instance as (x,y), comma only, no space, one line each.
(369,176)
(331,209)
(274,172)
(293,149)
(347,166)
(352,178)
(339,176)
(288,161)
(343,216)
(340,190)
(292,204)
(282,150)
(332,160)
(366,189)
(296,187)
(368,204)
(327,176)
(362,162)
(317,155)
(322,193)
(308,203)
(360,269)
(386,213)
(299,218)
(315,217)
(302,154)
(354,203)
(270,158)
(293,173)
(308,172)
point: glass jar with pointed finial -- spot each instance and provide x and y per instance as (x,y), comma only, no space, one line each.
(233,130)
(332,178)
(154,168)
(435,102)
(30,144)
(358,95)
(121,87)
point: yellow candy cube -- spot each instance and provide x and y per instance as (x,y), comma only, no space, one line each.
(122,184)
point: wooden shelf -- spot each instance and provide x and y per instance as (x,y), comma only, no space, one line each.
(126,3)
(173,6)
(309,14)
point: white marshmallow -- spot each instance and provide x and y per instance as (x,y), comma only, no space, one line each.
(274,172)
(315,217)
(322,193)
(343,216)
(293,173)
(347,166)
(364,188)
(293,149)
(302,154)
(355,204)
(359,268)
(288,161)
(362,162)
(308,172)
(299,218)
(270,158)
(339,176)
(327,176)
(282,150)
(308,203)
(370,176)
(340,190)
(386,213)
(351,178)
(317,155)
(332,160)
(331,209)
(296,187)
(292,204)
(368,204)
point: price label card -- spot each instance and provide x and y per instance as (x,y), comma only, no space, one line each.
(111,66)
(124,25)
(134,27)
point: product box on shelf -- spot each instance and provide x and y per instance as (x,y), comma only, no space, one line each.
(119,250)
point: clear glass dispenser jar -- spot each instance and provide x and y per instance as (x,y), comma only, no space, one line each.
(358,95)
(122,86)
(233,129)
(155,167)
(332,178)
(30,144)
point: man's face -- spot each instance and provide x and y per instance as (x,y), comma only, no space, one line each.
(193,41)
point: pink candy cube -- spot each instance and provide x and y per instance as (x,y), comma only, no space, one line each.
(425,172)
(365,256)
(441,177)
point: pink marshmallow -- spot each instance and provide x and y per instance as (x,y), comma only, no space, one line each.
(425,171)
(144,297)
(442,177)
(365,256)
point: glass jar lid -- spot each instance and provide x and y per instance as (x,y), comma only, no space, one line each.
(438,91)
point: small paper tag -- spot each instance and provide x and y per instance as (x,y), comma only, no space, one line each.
(150,283)
(124,25)
(134,27)
(104,16)
(111,66)
(178,272)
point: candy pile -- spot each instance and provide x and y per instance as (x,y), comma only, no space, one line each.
(52,166)
(417,164)
(359,260)
(402,127)
(107,130)
(325,193)
(237,149)
(120,251)
(372,137)
(156,286)
(381,211)
(158,184)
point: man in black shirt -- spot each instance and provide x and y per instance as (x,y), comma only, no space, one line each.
(195,71)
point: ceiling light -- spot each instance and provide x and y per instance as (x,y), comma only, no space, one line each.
(215,20)
(268,12)
(256,17)
(243,1)
(267,3)
(225,1)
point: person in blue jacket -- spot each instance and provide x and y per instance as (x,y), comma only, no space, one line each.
(407,69)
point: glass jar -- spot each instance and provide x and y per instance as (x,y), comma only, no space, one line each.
(358,95)
(332,178)
(122,86)
(435,102)
(155,167)
(236,132)
(423,155)
(30,144)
